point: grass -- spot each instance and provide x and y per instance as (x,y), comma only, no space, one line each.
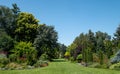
(62,67)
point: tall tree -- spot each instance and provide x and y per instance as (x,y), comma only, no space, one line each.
(91,40)
(100,37)
(46,40)
(62,49)
(8,19)
(117,36)
(26,27)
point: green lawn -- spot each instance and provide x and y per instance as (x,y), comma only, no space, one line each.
(61,67)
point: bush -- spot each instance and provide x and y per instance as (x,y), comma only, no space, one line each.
(3,56)
(67,54)
(94,65)
(6,42)
(44,57)
(115,66)
(4,61)
(13,66)
(41,63)
(79,58)
(12,57)
(72,59)
(98,65)
(95,58)
(25,53)
(116,58)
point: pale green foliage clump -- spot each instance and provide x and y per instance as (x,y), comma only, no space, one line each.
(79,56)
(116,58)
(67,54)
(115,66)
(25,52)
(26,29)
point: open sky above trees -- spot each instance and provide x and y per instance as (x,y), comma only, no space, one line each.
(72,17)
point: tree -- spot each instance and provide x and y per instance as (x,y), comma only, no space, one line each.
(6,42)
(8,19)
(108,48)
(46,41)
(15,9)
(100,38)
(91,40)
(117,36)
(62,50)
(26,27)
(72,48)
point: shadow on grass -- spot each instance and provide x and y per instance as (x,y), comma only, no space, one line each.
(58,60)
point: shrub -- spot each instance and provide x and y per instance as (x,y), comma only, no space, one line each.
(4,61)
(44,57)
(116,58)
(67,54)
(95,65)
(12,57)
(41,63)
(95,58)
(72,59)
(6,42)
(115,66)
(13,66)
(25,52)
(3,56)
(79,57)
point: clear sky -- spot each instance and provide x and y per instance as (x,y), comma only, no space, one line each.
(72,17)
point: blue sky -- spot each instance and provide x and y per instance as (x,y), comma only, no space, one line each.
(72,17)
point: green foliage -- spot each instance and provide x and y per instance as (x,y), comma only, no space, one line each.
(44,57)
(115,66)
(72,59)
(3,56)
(100,53)
(26,27)
(6,42)
(3,60)
(12,66)
(8,19)
(62,68)
(46,41)
(117,36)
(67,54)
(87,55)
(62,49)
(79,57)
(72,48)
(116,58)
(13,57)
(108,48)
(95,65)
(41,63)
(25,52)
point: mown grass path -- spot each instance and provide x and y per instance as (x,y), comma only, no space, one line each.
(62,67)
